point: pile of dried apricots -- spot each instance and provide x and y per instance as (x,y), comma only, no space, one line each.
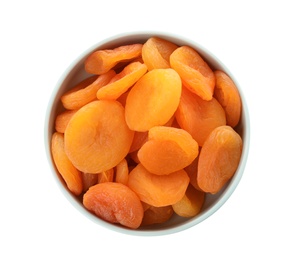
(149,134)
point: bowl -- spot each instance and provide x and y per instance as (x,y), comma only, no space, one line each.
(75,73)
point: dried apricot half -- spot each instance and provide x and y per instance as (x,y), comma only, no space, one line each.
(69,173)
(102,61)
(219,159)
(115,203)
(156,215)
(195,73)
(190,204)
(167,150)
(76,98)
(158,190)
(228,96)
(153,99)
(122,81)
(199,117)
(97,137)
(156,53)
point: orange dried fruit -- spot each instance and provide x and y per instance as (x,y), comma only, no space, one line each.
(122,81)
(192,172)
(156,53)
(153,99)
(105,176)
(139,139)
(167,150)
(199,117)
(102,61)
(97,137)
(115,203)
(69,173)
(63,119)
(156,215)
(219,159)
(191,203)
(158,190)
(89,180)
(228,96)
(80,96)
(122,172)
(195,73)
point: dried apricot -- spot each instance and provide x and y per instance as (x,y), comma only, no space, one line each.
(195,73)
(158,190)
(192,172)
(228,96)
(105,176)
(89,180)
(115,203)
(156,53)
(97,137)
(102,61)
(156,215)
(69,173)
(63,119)
(76,98)
(167,150)
(139,139)
(122,81)
(199,117)
(190,204)
(219,159)
(122,172)
(153,99)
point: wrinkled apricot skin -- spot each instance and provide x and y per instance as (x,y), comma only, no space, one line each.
(191,203)
(105,176)
(66,98)
(156,215)
(122,81)
(219,159)
(158,190)
(114,203)
(156,53)
(167,150)
(228,96)
(89,180)
(63,119)
(75,99)
(153,99)
(94,141)
(199,117)
(102,61)
(192,172)
(195,73)
(122,172)
(69,173)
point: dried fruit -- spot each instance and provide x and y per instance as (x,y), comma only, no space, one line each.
(153,99)
(115,203)
(167,150)
(158,190)
(219,159)
(102,61)
(94,141)
(195,73)
(69,173)
(228,96)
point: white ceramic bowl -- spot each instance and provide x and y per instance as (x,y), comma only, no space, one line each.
(75,73)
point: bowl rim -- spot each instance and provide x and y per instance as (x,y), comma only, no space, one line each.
(132,36)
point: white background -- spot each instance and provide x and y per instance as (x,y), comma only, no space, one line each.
(254,39)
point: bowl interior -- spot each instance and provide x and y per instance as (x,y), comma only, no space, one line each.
(76,73)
